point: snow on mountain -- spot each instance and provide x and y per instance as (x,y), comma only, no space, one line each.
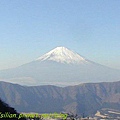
(63,55)
(60,66)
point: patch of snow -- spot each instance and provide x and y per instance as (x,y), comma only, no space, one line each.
(98,114)
(63,55)
(114,112)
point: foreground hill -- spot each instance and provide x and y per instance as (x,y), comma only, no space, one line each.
(60,66)
(84,98)
(6,110)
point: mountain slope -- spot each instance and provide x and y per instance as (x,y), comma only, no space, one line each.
(60,66)
(85,98)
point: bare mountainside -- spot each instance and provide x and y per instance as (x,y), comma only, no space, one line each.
(60,66)
(84,98)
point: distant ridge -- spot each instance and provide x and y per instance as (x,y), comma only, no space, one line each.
(85,98)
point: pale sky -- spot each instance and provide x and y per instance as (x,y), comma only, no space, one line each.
(30,28)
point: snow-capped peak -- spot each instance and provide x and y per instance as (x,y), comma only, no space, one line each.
(62,55)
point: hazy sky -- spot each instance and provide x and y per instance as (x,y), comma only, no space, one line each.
(30,28)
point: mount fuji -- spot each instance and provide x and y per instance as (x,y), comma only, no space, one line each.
(60,66)
(63,55)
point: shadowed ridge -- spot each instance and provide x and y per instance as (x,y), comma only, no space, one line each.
(5,108)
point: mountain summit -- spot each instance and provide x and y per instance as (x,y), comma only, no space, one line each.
(63,55)
(60,66)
